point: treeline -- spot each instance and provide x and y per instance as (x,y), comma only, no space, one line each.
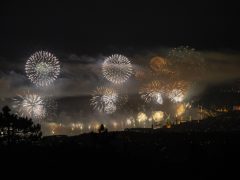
(16,130)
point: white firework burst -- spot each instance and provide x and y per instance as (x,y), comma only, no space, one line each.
(104,100)
(107,100)
(152,97)
(117,68)
(110,108)
(153,92)
(176,95)
(42,68)
(30,105)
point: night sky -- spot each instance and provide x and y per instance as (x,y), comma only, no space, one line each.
(81,35)
(90,28)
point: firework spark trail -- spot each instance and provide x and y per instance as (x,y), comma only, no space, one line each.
(117,68)
(42,68)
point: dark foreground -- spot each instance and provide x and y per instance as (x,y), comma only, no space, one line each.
(194,154)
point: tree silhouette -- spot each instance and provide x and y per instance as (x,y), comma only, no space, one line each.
(101,128)
(14,129)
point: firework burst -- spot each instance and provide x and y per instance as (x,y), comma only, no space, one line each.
(153,92)
(181,108)
(157,116)
(188,59)
(176,91)
(160,67)
(130,120)
(158,64)
(42,68)
(141,117)
(30,105)
(176,95)
(106,100)
(117,68)
(185,54)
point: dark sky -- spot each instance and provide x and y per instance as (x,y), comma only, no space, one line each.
(82,35)
(93,27)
